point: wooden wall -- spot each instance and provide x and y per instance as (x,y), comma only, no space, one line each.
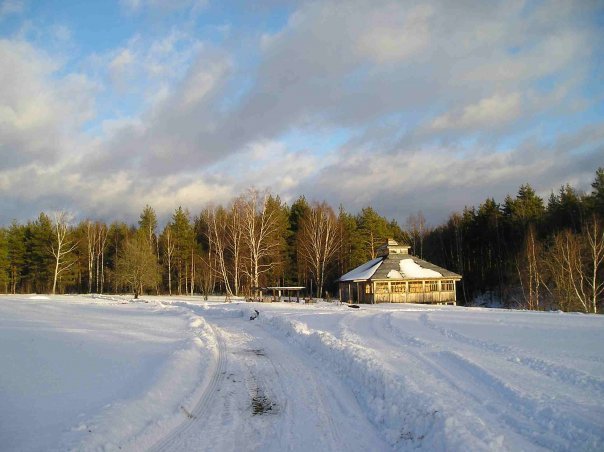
(428,291)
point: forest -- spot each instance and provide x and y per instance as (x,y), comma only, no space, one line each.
(523,252)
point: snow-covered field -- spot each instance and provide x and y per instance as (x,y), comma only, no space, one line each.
(82,373)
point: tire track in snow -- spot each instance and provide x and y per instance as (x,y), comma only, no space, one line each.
(202,408)
(574,427)
(528,417)
(560,373)
(416,352)
(313,387)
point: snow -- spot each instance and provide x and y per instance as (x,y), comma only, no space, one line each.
(364,271)
(181,374)
(77,373)
(394,274)
(411,270)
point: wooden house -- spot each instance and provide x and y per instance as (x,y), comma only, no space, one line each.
(396,276)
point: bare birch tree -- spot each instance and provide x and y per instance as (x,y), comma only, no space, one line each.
(416,228)
(530,272)
(558,276)
(90,242)
(260,226)
(62,246)
(595,246)
(96,242)
(217,220)
(169,247)
(577,260)
(318,242)
(101,243)
(235,231)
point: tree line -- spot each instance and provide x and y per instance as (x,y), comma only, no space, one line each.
(522,252)
(528,253)
(257,240)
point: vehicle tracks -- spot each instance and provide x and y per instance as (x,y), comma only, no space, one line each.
(557,372)
(202,409)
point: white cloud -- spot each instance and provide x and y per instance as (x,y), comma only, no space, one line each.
(412,83)
(392,33)
(121,63)
(10,7)
(440,180)
(491,111)
(202,80)
(61,33)
(39,112)
(135,6)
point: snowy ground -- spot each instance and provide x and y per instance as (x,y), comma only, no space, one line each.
(81,373)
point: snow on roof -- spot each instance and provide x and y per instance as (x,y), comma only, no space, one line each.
(394,274)
(364,271)
(410,269)
(395,267)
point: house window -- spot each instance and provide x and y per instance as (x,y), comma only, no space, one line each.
(398,287)
(431,286)
(416,287)
(368,288)
(381,287)
(447,286)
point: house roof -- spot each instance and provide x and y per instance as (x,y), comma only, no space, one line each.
(398,267)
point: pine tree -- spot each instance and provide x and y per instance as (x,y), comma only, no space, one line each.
(374,231)
(40,262)
(527,208)
(352,253)
(147,225)
(596,198)
(183,248)
(277,260)
(4,262)
(117,235)
(297,211)
(16,254)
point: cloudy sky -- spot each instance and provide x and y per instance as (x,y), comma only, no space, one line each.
(403,105)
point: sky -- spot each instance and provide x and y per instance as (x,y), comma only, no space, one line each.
(108,106)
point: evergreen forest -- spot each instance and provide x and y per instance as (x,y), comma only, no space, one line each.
(520,252)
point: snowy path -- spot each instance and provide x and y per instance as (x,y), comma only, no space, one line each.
(182,374)
(270,398)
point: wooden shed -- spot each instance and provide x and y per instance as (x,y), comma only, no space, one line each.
(396,276)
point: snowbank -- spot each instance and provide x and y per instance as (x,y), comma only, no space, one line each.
(405,414)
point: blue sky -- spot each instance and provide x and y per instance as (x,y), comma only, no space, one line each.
(108,106)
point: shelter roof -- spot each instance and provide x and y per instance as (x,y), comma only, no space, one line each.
(364,271)
(285,288)
(398,267)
